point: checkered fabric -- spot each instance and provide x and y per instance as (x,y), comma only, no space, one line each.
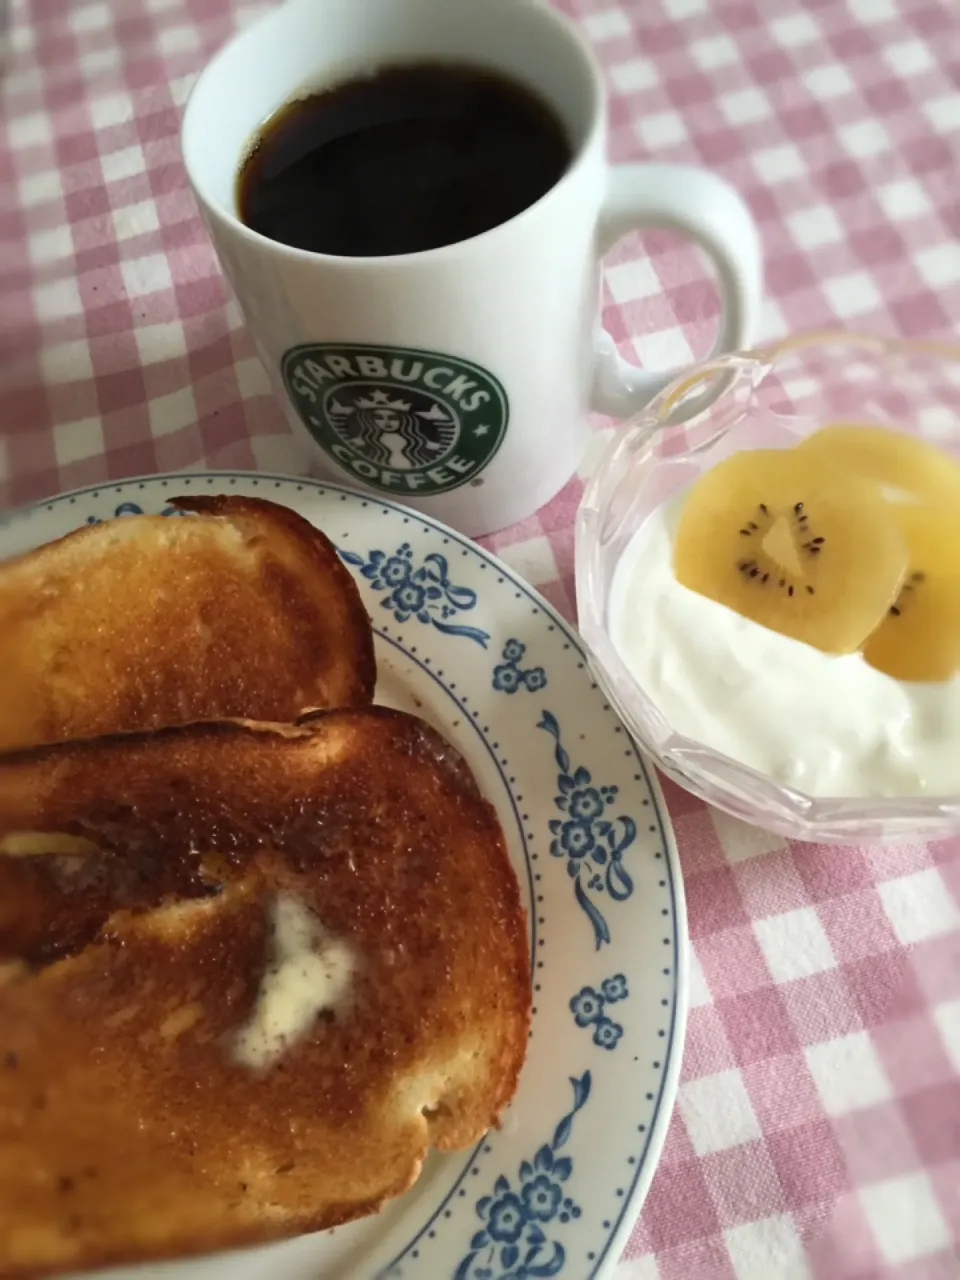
(817,1132)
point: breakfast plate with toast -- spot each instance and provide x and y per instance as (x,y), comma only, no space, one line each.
(342,932)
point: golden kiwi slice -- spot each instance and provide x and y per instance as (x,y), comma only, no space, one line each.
(901,463)
(919,639)
(787,543)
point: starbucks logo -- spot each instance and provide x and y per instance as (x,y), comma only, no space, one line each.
(402,420)
(403,433)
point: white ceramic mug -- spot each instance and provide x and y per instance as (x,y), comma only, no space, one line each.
(496,339)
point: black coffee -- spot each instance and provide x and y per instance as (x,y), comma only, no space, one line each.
(406,159)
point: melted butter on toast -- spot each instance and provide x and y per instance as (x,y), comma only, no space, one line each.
(308,972)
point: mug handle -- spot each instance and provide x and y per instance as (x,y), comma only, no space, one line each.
(705,209)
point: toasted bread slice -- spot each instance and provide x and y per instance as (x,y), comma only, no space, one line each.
(243,609)
(148,1107)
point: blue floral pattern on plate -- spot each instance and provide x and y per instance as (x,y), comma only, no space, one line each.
(424,592)
(134,509)
(592,843)
(588,1006)
(509,676)
(512,1244)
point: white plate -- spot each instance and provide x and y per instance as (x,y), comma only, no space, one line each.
(466,644)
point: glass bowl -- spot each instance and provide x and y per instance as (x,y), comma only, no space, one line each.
(767,398)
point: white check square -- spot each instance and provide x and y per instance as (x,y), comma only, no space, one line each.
(919,906)
(135,219)
(773,323)
(698,991)
(794,944)
(796,30)
(814,227)
(57,299)
(853,295)
(718,1112)
(96,61)
(947,1018)
(776,164)
(156,342)
(741,841)
(179,88)
(30,130)
(662,350)
(904,198)
(638,73)
(123,164)
(768,1248)
(664,129)
(149,274)
(38,188)
(90,17)
(716,51)
(179,39)
(533,559)
(943,113)
(679,9)
(251,378)
(865,138)
(77,441)
(908,57)
(111,109)
(67,362)
(608,24)
(50,246)
(848,1073)
(873,10)
(642,1268)
(172,412)
(745,106)
(629,281)
(905,1217)
(940,264)
(829,82)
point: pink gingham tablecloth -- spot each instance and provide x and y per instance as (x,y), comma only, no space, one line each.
(817,1130)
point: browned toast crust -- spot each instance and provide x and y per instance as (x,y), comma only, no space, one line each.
(127,1130)
(243,609)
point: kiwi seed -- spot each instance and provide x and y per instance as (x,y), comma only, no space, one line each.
(847,594)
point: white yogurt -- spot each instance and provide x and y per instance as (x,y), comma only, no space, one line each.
(828,725)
